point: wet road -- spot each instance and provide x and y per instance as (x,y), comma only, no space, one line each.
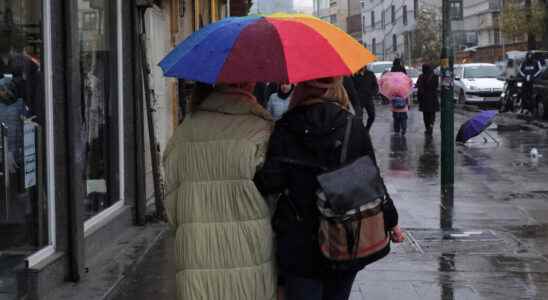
(489,241)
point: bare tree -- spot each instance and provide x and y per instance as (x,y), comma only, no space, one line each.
(427,44)
(527,20)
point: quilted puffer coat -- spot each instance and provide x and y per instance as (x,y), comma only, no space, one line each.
(224,241)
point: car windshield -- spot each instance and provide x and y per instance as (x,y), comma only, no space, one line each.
(412,72)
(378,68)
(481,72)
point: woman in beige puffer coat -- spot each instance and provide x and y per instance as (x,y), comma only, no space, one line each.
(224,242)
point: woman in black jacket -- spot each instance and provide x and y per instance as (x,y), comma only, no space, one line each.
(311,132)
(397,66)
(427,94)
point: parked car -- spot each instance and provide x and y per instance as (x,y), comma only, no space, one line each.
(477,83)
(379,67)
(540,94)
(414,75)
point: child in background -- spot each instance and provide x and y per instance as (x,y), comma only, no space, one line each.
(279,102)
(400,107)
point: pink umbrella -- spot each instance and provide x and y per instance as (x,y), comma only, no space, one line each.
(395,84)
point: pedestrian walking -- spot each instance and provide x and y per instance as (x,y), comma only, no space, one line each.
(307,136)
(352,93)
(396,87)
(427,94)
(529,70)
(224,242)
(397,66)
(279,102)
(366,84)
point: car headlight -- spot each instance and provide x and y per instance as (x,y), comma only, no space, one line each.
(472,87)
(519,84)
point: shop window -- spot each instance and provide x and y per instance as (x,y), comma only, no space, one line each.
(97,31)
(24,222)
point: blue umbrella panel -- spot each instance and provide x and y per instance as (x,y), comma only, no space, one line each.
(475,125)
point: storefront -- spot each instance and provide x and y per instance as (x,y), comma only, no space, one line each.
(67,138)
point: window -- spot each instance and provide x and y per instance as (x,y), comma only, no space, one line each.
(373,19)
(394,43)
(363,23)
(374,46)
(363,4)
(332,3)
(404,12)
(496,34)
(27,222)
(383,19)
(415,7)
(98,71)
(455,10)
(333,19)
(393,13)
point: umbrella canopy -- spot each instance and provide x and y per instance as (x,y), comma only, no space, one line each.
(395,84)
(277,48)
(476,125)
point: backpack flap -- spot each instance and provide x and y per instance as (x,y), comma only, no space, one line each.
(352,186)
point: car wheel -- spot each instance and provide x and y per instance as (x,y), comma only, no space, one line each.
(462,99)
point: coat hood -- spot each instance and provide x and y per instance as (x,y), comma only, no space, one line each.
(320,126)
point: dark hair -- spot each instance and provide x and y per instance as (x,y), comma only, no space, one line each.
(200,92)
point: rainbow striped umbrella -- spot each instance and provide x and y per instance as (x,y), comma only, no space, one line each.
(275,48)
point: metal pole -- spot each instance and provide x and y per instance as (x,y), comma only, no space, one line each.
(154,145)
(228,8)
(447,104)
(501,30)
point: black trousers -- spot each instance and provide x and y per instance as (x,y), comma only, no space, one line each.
(335,288)
(429,119)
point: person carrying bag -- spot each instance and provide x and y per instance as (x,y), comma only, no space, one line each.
(333,216)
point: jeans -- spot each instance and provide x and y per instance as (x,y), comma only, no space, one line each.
(333,288)
(400,121)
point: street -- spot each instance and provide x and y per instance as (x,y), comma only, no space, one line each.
(488,242)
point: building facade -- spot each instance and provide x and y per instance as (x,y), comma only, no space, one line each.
(266,7)
(333,11)
(480,25)
(388,26)
(74,154)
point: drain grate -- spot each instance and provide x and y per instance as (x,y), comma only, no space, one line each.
(527,195)
(465,242)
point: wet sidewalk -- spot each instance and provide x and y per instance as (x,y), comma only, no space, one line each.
(489,241)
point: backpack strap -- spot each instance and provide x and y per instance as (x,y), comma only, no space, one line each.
(346,140)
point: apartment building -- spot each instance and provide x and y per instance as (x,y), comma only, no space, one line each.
(479,26)
(332,11)
(272,6)
(346,14)
(388,26)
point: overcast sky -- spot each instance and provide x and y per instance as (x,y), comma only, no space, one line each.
(301,3)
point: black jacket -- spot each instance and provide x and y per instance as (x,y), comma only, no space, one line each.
(398,68)
(367,88)
(348,84)
(311,134)
(427,93)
